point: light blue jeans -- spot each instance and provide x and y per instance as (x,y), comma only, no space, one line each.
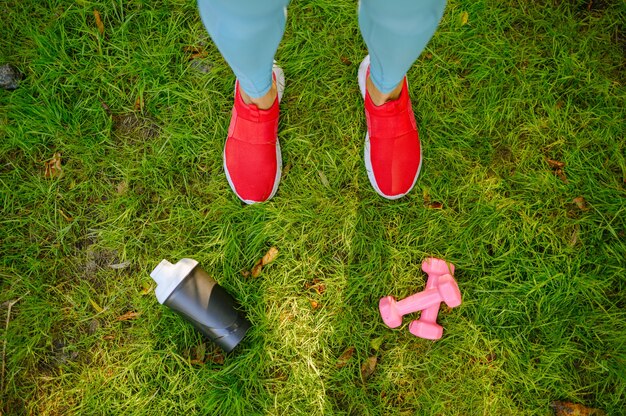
(247,33)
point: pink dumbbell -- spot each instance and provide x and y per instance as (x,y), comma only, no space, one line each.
(392,311)
(426,326)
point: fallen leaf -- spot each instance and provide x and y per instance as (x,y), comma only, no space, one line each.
(323,178)
(139,103)
(121,188)
(368,367)
(256,270)
(118,266)
(99,23)
(106,108)
(464,18)
(199,352)
(196,362)
(197,55)
(428,55)
(53,167)
(345,357)
(434,205)
(286,170)
(376,343)
(127,316)
(573,409)
(581,203)
(314,304)
(108,337)
(245,273)
(345,60)
(270,256)
(316,285)
(216,357)
(561,175)
(97,307)
(146,288)
(555,164)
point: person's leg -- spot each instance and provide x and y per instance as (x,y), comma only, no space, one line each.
(247,33)
(396,32)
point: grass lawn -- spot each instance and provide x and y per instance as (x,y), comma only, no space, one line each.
(522,113)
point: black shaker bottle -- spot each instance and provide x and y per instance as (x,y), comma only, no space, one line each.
(191,292)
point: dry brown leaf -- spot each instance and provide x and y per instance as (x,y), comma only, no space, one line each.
(314,304)
(193,49)
(368,367)
(581,203)
(428,55)
(561,175)
(286,170)
(464,18)
(245,273)
(573,409)
(108,337)
(53,167)
(345,60)
(127,316)
(106,108)
(121,188)
(434,205)
(555,164)
(270,256)
(99,23)
(316,285)
(256,270)
(146,288)
(197,55)
(139,103)
(215,357)
(345,357)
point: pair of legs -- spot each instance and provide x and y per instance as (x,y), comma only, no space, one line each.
(247,33)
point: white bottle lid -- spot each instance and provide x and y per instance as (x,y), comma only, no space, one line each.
(168,276)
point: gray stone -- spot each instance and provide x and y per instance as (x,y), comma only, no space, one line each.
(9,77)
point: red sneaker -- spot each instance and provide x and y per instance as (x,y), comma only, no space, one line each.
(252,159)
(393,155)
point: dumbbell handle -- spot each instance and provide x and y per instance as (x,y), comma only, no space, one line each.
(418,301)
(430,314)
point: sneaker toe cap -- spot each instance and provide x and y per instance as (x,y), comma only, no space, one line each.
(252,169)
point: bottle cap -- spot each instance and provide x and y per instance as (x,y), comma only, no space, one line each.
(168,276)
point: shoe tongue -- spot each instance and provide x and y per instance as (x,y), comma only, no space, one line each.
(252,112)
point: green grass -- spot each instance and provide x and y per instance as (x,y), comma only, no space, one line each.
(543,317)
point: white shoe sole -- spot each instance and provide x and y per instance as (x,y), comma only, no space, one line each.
(280,86)
(367,148)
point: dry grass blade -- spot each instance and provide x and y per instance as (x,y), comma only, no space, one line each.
(99,24)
